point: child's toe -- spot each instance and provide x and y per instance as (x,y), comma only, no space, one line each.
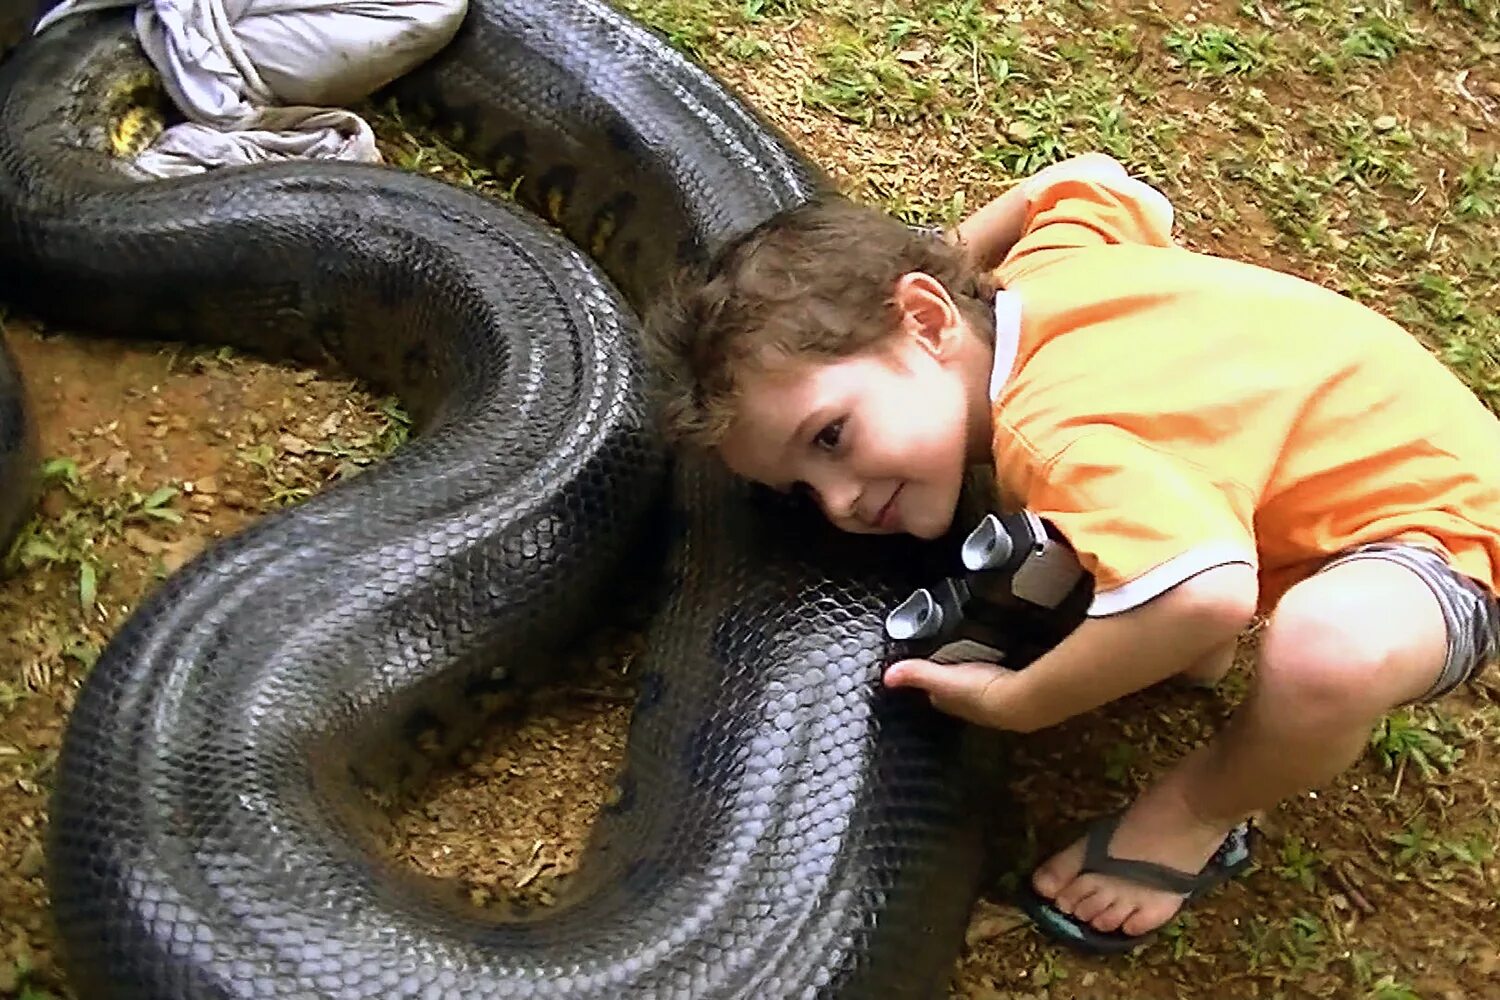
(1149,916)
(1056,872)
(1091,906)
(1114,916)
(1068,898)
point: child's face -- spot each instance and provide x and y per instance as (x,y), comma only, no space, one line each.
(880,438)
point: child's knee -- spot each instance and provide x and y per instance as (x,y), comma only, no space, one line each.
(1327,662)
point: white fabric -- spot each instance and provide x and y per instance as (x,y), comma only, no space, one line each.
(1160,579)
(254,78)
(1007,339)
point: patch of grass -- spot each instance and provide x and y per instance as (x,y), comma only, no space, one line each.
(1472,848)
(1388,987)
(1478,194)
(1299,863)
(11,695)
(1256,942)
(895,65)
(1119,758)
(1415,844)
(1216,50)
(419,147)
(76,538)
(1048,971)
(1401,738)
(1370,153)
(754,10)
(858,81)
(1296,202)
(1178,934)
(23,981)
(1303,942)
(1376,37)
(292,469)
(690,26)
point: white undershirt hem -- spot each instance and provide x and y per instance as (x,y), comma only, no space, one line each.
(1162,578)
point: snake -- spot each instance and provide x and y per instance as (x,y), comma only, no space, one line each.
(781,827)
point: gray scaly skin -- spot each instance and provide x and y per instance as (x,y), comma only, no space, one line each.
(783,827)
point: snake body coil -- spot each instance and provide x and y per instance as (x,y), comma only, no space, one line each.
(783,827)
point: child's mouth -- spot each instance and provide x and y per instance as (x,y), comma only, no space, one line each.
(889,517)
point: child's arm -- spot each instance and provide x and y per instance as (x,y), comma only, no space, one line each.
(991,231)
(1102,660)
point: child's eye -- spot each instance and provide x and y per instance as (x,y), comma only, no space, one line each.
(828,437)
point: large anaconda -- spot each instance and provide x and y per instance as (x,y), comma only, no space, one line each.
(783,827)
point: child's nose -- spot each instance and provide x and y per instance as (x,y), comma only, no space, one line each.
(838,497)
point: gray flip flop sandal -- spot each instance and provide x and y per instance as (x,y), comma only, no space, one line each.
(1232,858)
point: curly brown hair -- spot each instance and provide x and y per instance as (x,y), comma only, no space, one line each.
(814,280)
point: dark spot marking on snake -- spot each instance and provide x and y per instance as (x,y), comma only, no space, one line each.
(674,525)
(12,422)
(641,875)
(653,686)
(328,328)
(416,363)
(621,139)
(495,681)
(168,317)
(423,724)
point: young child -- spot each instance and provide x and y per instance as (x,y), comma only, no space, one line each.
(1212,439)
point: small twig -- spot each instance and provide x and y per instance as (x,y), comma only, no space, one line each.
(1458,84)
(1446,893)
(1376,850)
(1351,886)
(535,865)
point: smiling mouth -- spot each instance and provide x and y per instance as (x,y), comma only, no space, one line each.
(887,518)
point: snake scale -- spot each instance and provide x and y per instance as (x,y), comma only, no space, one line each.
(781,828)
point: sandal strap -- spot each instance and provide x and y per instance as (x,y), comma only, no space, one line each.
(1097,859)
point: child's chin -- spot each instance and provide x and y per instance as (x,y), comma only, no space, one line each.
(926,532)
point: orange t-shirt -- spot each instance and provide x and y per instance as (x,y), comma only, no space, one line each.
(1170,411)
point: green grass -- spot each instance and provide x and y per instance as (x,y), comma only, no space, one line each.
(1403,738)
(76,539)
(1299,863)
(1218,50)
(293,470)
(1478,194)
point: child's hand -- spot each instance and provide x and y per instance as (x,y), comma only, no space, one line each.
(979,692)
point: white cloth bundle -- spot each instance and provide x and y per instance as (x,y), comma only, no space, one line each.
(255,78)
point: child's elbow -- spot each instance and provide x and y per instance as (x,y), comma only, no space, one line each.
(1220,600)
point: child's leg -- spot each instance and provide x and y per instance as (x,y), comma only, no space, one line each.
(1342,648)
(1211,668)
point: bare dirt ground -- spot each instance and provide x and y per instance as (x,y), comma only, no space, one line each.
(1354,144)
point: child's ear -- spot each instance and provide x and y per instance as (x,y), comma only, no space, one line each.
(928,313)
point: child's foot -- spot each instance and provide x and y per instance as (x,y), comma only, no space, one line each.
(1155,829)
